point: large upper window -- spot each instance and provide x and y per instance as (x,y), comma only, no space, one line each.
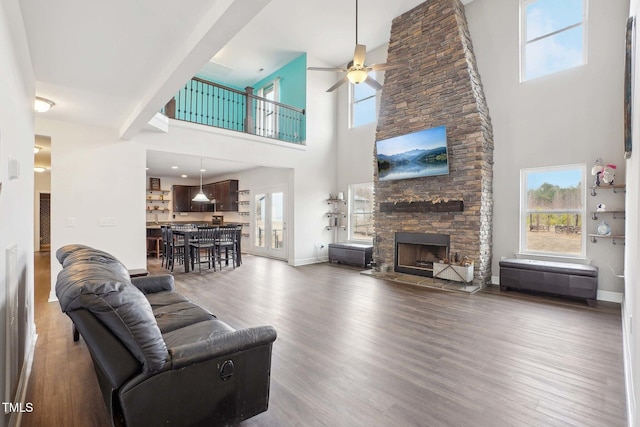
(362,100)
(361,212)
(552,210)
(553,36)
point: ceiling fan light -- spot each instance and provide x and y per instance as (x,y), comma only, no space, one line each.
(357,76)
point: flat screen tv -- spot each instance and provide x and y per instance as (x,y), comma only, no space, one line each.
(414,155)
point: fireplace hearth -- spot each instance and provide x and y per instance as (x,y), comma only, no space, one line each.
(416,252)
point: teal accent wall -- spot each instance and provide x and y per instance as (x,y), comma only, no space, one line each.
(293,82)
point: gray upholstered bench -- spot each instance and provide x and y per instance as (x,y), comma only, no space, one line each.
(351,253)
(557,278)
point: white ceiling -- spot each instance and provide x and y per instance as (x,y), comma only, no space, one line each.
(115,63)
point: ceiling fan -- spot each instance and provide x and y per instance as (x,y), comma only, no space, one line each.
(356,71)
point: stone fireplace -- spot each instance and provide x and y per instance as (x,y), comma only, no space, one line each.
(437,84)
(416,252)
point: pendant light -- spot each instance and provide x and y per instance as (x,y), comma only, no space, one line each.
(200,197)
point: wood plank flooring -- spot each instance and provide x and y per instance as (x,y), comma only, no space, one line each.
(357,351)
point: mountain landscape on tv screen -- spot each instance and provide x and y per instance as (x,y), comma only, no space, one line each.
(413,163)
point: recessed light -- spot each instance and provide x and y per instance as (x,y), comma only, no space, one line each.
(203,170)
(174,167)
(184,176)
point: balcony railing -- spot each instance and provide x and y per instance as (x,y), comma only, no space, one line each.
(211,104)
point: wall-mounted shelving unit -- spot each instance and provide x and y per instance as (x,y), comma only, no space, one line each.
(603,229)
(337,217)
(158,201)
(244,210)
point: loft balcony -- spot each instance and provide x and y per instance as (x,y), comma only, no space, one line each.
(211,104)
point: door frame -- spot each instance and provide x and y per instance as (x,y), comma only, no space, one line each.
(266,251)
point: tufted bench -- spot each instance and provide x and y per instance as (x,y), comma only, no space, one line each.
(557,278)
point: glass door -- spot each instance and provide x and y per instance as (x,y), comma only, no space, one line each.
(270,223)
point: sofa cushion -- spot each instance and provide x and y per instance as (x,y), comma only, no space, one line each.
(200,331)
(160,299)
(179,315)
(106,291)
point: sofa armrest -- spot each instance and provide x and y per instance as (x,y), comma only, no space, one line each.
(153,284)
(222,344)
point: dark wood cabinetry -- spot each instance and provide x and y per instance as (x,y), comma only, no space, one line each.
(181,199)
(225,194)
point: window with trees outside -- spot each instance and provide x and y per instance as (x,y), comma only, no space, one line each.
(553,36)
(360,205)
(552,210)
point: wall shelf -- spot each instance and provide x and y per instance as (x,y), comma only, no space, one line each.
(618,188)
(616,214)
(594,238)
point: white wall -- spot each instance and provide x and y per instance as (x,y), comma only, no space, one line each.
(566,118)
(17,91)
(632,249)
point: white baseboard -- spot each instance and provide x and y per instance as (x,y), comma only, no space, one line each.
(23,383)
(306,261)
(628,369)
(610,296)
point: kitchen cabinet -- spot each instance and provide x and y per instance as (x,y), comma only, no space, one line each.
(227,196)
(225,193)
(181,198)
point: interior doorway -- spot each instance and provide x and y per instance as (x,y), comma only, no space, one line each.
(45,221)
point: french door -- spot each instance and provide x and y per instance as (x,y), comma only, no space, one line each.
(270,225)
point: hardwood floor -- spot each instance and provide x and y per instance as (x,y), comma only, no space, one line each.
(358,351)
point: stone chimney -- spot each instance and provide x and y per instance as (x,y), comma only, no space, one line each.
(437,84)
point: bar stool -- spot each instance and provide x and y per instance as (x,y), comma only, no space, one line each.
(153,245)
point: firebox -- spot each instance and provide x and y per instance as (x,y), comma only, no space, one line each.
(416,252)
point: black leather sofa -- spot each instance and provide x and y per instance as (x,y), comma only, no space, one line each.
(161,359)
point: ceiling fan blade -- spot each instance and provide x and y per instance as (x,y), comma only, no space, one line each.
(380,67)
(359,55)
(339,83)
(344,70)
(373,83)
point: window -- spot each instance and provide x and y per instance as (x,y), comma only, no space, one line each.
(552,210)
(361,212)
(266,111)
(553,36)
(363,103)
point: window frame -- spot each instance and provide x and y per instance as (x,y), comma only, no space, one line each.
(524,211)
(353,103)
(267,118)
(524,42)
(351,212)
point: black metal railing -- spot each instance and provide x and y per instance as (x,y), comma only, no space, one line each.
(211,104)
